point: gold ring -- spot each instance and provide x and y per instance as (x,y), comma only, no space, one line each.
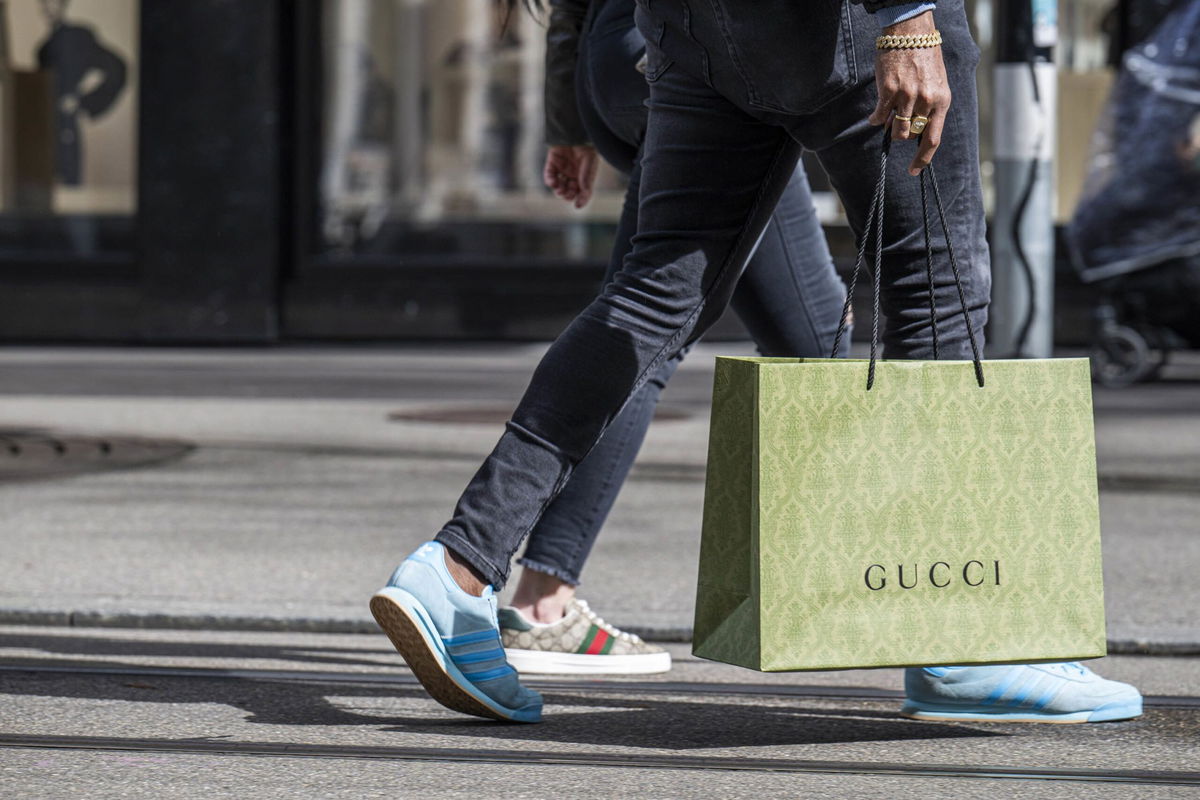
(918,123)
(903,119)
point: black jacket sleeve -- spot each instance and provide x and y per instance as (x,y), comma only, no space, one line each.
(875,5)
(563,125)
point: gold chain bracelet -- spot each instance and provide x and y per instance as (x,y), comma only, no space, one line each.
(892,42)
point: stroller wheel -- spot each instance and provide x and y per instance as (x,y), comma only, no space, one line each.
(1121,357)
(1161,360)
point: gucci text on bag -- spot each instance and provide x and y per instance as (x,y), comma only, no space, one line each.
(940,575)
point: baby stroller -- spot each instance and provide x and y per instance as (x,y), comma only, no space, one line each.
(1142,317)
(1135,235)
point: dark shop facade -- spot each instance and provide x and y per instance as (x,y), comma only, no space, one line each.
(227,171)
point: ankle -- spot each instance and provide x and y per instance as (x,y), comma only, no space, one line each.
(542,598)
(545,611)
(469,579)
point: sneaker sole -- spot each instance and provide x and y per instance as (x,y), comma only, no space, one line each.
(401,617)
(1111,712)
(549,662)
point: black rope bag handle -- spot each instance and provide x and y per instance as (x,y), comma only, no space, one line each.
(875,220)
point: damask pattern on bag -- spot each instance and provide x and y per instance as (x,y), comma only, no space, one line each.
(928,521)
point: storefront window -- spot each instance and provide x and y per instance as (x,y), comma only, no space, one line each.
(433,136)
(1081,57)
(1084,81)
(68,138)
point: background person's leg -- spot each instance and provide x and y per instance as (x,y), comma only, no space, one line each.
(562,540)
(612,95)
(790,297)
(711,176)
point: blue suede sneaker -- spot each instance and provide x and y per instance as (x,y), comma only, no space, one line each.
(1064,693)
(451,640)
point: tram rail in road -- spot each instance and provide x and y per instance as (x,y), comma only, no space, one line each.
(637,761)
(545,758)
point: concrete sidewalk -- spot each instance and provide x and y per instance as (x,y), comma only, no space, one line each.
(314,470)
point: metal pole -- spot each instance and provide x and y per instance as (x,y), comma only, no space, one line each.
(1025,122)
(8,123)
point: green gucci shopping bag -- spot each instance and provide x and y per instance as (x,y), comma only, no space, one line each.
(926,518)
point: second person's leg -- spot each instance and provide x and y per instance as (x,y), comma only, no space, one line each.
(560,543)
(790,297)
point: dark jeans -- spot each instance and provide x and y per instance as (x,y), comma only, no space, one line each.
(790,297)
(714,165)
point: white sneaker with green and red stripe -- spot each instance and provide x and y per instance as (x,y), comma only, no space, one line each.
(578,644)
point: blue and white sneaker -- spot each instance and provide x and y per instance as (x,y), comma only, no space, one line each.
(1064,693)
(451,640)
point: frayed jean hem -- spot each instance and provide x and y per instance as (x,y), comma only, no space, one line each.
(546,569)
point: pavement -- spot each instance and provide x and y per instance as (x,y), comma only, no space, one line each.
(189,538)
(125,713)
(292,480)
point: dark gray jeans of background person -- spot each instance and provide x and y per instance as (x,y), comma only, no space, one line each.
(789,298)
(732,101)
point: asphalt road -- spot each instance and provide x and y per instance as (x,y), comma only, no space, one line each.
(119,713)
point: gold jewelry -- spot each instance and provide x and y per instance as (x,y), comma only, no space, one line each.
(918,123)
(903,119)
(894,42)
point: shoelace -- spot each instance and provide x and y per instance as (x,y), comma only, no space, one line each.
(611,630)
(1069,667)
(494,610)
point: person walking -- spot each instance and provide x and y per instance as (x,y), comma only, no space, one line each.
(736,90)
(790,300)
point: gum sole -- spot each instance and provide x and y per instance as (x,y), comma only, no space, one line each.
(936,717)
(407,638)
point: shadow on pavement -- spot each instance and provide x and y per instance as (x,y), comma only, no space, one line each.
(695,724)
(74,645)
(583,718)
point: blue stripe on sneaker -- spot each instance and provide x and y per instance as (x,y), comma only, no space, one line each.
(482,655)
(1035,690)
(999,691)
(1030,683)
(488,674)
(470,638)
(1021,696)
(1047,696)
(1033,687)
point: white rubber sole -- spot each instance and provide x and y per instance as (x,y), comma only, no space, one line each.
(543,662)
